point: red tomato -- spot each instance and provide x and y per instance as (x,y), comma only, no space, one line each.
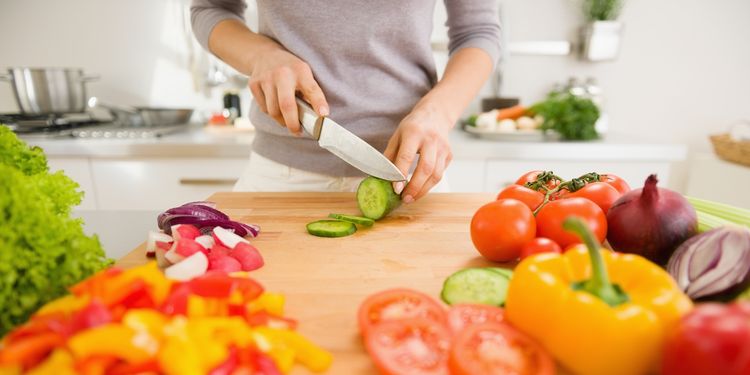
(616,182)
(397,304)
(412,346)
(500,229)
(464,315)
(497,348)
(529,197)
(532,176)
(540,245)
(550,219)
(711,339)
(601,193)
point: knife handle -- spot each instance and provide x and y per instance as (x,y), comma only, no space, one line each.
(311,122)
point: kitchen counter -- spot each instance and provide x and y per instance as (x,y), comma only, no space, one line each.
(325,279)
(199,143)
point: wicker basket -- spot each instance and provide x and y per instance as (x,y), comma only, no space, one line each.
(731,150)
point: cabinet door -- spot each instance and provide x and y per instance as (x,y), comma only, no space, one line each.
(157,184)
(501,173)
(465,176)
(718,180)
(79,170)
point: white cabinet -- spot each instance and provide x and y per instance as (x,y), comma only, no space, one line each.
(79,170)
(501,173)
(465,176)
(718,180)
(157,184)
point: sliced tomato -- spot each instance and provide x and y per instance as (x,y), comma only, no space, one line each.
(497,348)
(409,346)
(398,304)
(463,315)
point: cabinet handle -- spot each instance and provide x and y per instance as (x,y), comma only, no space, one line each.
(207,181)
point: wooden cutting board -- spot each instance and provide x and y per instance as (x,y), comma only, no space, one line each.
(326,279)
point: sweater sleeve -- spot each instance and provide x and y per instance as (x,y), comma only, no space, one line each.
(473,23)
(205,14)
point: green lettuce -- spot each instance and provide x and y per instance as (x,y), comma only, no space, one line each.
(43,250)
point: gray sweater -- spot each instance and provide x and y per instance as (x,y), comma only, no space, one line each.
(373,60)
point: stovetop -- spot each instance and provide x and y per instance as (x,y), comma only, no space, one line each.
(80,125)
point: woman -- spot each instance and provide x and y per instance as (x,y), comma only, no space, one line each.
(367,64)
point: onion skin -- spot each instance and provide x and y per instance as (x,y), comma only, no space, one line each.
(651,222)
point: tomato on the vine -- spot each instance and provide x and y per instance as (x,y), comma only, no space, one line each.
(500,229)
(550,219)
(601,193)
(532,176)
(530,198)
(616,182)
(540,245)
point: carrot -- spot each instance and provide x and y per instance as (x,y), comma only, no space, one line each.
(512,113)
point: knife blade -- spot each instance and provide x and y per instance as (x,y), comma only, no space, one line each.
(347,146)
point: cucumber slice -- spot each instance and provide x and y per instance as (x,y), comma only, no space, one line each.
(476,285)
(331,228)
(376,198)
(363,221)
(503,271)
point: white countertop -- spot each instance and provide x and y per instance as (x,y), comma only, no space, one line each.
(199,143)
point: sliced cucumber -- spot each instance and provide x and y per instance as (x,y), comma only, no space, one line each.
(363,221)
(476,285)
(331,228)
(503,271)
(376,198)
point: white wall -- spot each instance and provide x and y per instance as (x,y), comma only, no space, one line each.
(683,71)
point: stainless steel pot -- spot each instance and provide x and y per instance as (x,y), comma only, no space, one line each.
(49,90)
(144,116)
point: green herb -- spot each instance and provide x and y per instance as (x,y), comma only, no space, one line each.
(472,120)
(42,249)
(602,10)
(571,116)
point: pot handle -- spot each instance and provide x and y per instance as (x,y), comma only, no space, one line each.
(89,78)
(6,77)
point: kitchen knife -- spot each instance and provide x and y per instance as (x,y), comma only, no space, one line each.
(347,146)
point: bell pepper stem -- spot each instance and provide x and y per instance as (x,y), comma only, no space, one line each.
(599,284)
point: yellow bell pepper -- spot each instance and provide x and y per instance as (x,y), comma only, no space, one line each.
(66,305)
(592,325)
(60,362)
(270,302)
(113,339)
(307,353)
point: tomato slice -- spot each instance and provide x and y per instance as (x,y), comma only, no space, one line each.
(497,348)
(398,304)
(463,315)
(409,347)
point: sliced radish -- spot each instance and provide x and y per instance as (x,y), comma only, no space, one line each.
(190,267)
(181,231)
(161,259)
(206,240)
(187,247)
(248,256)
(227,238)
(219,249)
(153,239)
(172,256)
(225,263)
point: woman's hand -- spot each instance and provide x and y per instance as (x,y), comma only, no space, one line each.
(424,131)
(275,78)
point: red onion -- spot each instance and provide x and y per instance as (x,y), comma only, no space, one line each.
(205,216)
(713,264)
(651,222)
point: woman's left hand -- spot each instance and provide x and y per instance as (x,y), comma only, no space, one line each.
(424,131)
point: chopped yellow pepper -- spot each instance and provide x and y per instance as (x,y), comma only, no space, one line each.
(590,325)
(60,362)
(112,339)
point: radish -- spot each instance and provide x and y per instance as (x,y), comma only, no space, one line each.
(206,240)
(181,231)
(153,239)
(227,238)
(225,263)
(187,247)
(161,259)
(248,256)
(219,249)
(192,266)
(172,257)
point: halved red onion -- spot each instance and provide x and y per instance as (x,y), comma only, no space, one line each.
(205,216)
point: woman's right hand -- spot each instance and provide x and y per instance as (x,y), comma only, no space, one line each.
(276,77)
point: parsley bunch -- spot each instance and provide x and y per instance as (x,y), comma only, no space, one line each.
(573,117)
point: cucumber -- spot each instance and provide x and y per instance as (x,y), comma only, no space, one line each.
(376,198)
(504,271)
(476,285)
(363,221)
(331,228)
